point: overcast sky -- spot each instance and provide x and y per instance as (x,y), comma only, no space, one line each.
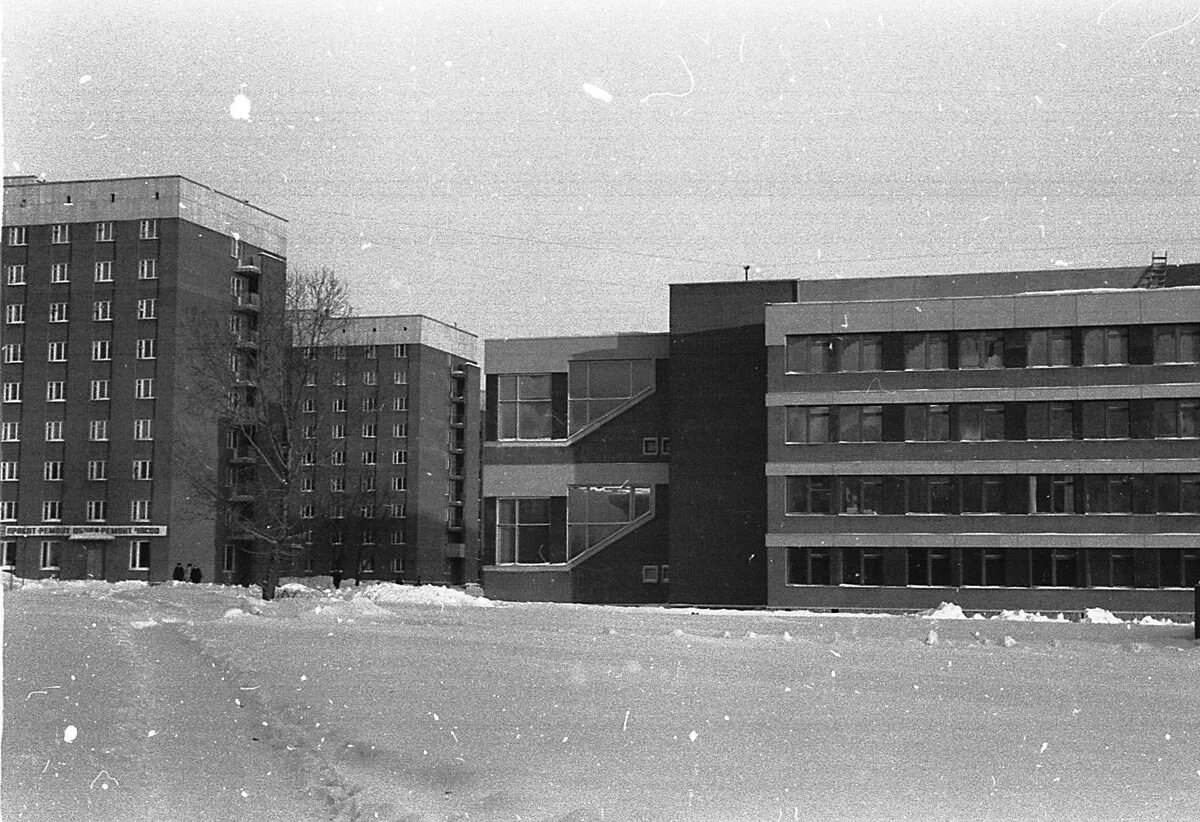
(528,169)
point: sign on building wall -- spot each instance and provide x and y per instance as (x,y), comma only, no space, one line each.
(79,531)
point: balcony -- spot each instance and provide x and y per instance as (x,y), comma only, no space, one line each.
(247,340)
(248,266)
(241,492)
(248,302)
(243,455)
(244,379)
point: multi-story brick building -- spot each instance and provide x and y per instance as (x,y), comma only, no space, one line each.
(575,478)
(394,445)
(100,278)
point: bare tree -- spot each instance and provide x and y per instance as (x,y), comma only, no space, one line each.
(249,370)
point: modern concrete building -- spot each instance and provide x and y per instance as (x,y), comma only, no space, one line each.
(575,477)
(100,278)
(398,446)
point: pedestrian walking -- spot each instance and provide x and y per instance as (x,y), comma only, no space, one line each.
(196,576)
(178,574)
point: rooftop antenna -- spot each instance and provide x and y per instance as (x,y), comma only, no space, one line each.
(746,269)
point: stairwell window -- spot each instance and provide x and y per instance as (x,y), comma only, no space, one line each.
(523,404)
(596,388)
(523,533)
(597,512)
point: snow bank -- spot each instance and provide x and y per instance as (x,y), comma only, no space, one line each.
(390,593)
(1025,616)
(946,610)
(1099,616)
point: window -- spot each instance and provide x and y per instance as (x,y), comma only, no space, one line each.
(984,567)
(1057,568)
(337,458)
(650,574)
(523,405)
(148,229)
(60,233)
(54,431)
(1049,421)
(49,555)
(339,352)
(809,495)
(147,309)
(807,424)
(400,430)
(14,353)
(366,512)
(144,389)
(8,471)
(52,470)
(309,406)
(338,431)
(1106,419)
(139,555)
(929,495)
(369,377)
(147,269)
(859,423)
(982,494)
(1106,345)
(370,404)
(59,273)
(808,566)
(400,404)
(1053,493)
(807,354)
(13,391)
(1048,347)
(97,430)
(97,510)
(97,470)
(399,483)
(980,422)
(143,429)
(104,232)
(1177,418)
(400,350)
(310,432)
(102,311)
(145,349)
(926,352)
(366,482)
(369,430)
(597,512)
(928,566)
(339,405)
(101,350)
(58,312)
(649,446)
(860,495)
(523,532)
(308,458)
(237,287)
(15,274)
(14,314)
(399,457)
(1176,343)
(18,235)
(143,470)
(11,431)
(368,457)
(235,247)
(371,352)
(52,510)
(56,391)
(858,352)
(139,510)
(308,511)
(926,423)
(337,485)
(8,554)
(980,349)
(862,566)
(8,510)
(56,351)
(102,271)
(599,387)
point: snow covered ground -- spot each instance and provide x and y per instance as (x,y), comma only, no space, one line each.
(131,702)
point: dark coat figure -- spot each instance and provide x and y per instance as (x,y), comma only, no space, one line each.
(196,575)
(177,574)
(337,578)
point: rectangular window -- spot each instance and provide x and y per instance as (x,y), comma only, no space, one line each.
(400,350)
(1048,347)
(148,229)
(14,314)
(139,510)
(926,351)
(49,555)
(52,470)
(371,352)
(339,352)
(56,391)
(369,377)
(139,555)
(808,566)
(980,349)
(147,269)
(58,312)
(809,354)
(339,405)
(366,482)
(54,431)
(370,404)
(1106,345)
(1177,343)
(59,273)
(104,232)
(309,406)
(929,495)
(399,457)
(398,539)
(18,235)
(102,311)
(399,483)
(929,566)
(60,233)
(926,423)
(400,404)
(309,458)
(15,274)
(8,510)
(982,494)
(369,430)
(400,430)
(8,554)
(338,431)
(308,511)
(337,485)
(1048,421)
(145,348)
(523,532)
(8,471)
(1052,493)
(147,309)
(14,353)
(97,510)
(56,351)
(858,352)
(143,429)
(97,470)
(103,271)
(101,350)
(144,389)
(807,424)
(143,470)
(98,430)
(595,389)
(13,391)
(859,495)
(52,510)
(337,458)
(809,495)
(307,485)
(11,431)
(399,377)
(1106,419)
(368,457)
(979,422)
(523,403)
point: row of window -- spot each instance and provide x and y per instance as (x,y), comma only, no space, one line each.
(368,378)
(366,511)
(337,485)
(95,510)
(308,458)
(995,494)
(143,429)
(56,390)
(52,470)
(981,422)
(56,351)
(370,352)
(995,567)
(18,235)
(368,430)
(50,554)
(1011,348)
(102,272)
(147,309)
